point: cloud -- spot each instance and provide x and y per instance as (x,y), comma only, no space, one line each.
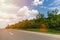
(25,13)
(43,7)
(8,8)
(7,13)
(10,13)
(38,2)
(53,8)
(55,3)
(22,14)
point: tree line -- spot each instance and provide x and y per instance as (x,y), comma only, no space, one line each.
(52,21)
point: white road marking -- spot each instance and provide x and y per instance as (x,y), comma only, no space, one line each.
(11,33)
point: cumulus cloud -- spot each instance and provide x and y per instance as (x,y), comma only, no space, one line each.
(25,13)
(7,12)
(10,13)
(38,2)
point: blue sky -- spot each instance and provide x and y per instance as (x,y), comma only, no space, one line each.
(47,5)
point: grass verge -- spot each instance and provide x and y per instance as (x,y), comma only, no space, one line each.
(51,31)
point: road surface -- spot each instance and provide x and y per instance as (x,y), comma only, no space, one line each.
(25,35)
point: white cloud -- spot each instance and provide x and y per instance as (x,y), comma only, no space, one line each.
(56,3)
(43,7)
(38,2)
(25,13)
(8,8)
(58,13)
(7,13)
(53,8)
(10,13)
(2,1)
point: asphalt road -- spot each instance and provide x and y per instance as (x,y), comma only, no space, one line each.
(25,35)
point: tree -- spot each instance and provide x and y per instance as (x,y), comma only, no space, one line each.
(52,18)
(40,15)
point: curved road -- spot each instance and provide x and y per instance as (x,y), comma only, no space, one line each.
(25,35)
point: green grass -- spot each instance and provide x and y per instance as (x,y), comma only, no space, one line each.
(34,30)
(51,31)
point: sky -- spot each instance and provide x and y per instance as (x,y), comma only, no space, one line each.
(13,11)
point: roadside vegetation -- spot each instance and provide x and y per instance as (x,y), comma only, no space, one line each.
(50,24)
